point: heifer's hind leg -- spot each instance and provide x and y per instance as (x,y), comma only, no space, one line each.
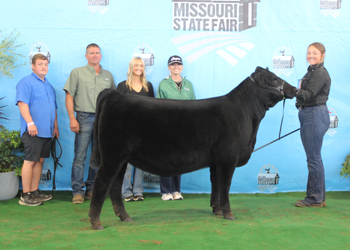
(225,174)
(215,194)
(103,181)
(116,196)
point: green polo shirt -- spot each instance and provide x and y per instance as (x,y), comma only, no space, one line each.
(167,89)
(84,86)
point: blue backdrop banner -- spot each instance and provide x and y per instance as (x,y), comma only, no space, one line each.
(221,43)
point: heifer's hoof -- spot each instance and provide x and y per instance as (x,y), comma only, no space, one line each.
(127,220)
(229,216)
(124,217)
(217,211)
(100,227)
(97,226)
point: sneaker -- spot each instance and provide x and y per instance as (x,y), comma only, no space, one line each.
(40,196)
(88,195)
(129,198)
(29,200)
(167,197)
(78,199)
(177,196)
(138,198)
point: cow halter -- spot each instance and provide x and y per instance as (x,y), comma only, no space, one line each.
(279,88)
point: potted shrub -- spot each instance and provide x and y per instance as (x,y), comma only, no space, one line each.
(11,161)
(345,170)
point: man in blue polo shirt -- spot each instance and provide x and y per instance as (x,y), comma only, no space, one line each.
(36,99)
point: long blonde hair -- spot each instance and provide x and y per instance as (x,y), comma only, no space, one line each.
(130,75)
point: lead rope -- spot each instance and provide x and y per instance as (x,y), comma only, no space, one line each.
(55,160)
(284,102)
(279,135)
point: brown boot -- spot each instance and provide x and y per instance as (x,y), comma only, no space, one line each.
(324,203)
(302,203)
(78,199)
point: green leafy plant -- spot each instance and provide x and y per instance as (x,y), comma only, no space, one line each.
(11,151)
(1,113)
(8,56)
(345,170)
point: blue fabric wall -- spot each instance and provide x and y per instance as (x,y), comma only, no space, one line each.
(221,43)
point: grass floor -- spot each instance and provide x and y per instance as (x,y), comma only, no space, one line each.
(263,221)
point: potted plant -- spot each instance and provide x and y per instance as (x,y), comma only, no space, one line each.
(11,147)
(345,170)
(11,161)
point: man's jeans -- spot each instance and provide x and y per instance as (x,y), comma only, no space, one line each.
(314,123)
(137,187)
(82,139)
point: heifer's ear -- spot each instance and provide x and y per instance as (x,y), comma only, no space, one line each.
(258,69)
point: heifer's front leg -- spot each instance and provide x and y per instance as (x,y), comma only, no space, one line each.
(224,179)
(116,197)
(102,184)
(215,195)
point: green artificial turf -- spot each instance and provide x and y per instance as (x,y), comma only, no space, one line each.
(263,221)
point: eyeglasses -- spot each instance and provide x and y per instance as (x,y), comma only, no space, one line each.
(313,53)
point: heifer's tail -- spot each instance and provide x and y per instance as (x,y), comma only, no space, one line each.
(101,99)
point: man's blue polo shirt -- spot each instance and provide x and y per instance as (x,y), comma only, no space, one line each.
(41,99)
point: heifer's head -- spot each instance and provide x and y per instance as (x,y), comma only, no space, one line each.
(276,88)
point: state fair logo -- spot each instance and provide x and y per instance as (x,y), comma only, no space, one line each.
(214,25)
(98,6)
(39,48)
(333,122)
(330,7)
(145,52)
(283,61)
(268,178)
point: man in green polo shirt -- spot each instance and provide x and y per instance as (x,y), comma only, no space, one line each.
(82,88)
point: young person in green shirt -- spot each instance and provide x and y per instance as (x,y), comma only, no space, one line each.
(179,88)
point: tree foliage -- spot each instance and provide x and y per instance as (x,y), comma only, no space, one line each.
(345,170)
(8,55)
(1,108)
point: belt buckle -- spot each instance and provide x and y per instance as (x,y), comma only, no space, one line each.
(300,108)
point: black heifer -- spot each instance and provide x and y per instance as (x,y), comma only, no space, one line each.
(171,137)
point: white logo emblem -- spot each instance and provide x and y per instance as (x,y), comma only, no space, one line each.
(283,61)
(330,7)
(37,48)
(98,6)
(334,122)
(231,47)
(145,52)
(268,178)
